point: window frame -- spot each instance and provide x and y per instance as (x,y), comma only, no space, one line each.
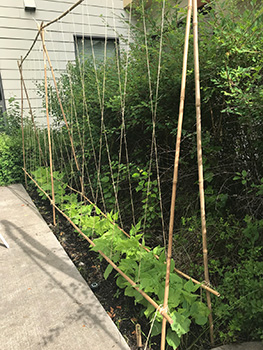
(116,41)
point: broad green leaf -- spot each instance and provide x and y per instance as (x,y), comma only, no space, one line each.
(121,282)
(162,258)
(131,292)
(200,320)
(189,297)
(150,309)
(191,287)
(199,312)
(181,324)
(157,328)
(172,339)
(175,279)
(175,298)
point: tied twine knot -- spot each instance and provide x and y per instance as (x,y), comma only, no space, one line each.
(162,309)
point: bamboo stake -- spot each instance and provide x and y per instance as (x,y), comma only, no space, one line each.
(145,248)
(48,132)
(133,284)
(63,114)
(176,167)
(138,336)
(200,163)
(22,126)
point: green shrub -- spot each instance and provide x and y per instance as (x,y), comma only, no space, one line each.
(11,159)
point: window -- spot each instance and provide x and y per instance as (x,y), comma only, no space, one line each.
(83,48)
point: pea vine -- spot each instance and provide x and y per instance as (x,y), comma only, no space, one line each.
(140,265)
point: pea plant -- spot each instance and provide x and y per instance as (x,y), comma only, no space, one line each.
(142,266)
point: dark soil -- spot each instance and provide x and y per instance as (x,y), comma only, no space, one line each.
(119,307)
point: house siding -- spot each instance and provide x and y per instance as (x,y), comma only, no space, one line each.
(18,29)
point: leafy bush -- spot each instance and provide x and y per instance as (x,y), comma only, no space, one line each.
(11,159)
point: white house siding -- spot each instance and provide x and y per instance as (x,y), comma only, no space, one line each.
(18,29)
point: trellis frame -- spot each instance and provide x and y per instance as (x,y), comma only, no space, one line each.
(164,309)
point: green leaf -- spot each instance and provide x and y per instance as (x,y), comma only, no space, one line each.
(131,292)
(105,179)
(98,211)
(200,312)
(162,257)
(157,328)
(172,339)
(200,320)
(121,282)
(190,287)
(174,298)
(135,175)
(244,173)
(181,324)
(209,177)
(150,309)
(107,271)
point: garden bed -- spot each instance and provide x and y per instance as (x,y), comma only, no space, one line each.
(120,308)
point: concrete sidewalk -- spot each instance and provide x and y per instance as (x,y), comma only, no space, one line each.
(44,301)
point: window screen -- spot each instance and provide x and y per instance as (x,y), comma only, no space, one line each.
(83,48)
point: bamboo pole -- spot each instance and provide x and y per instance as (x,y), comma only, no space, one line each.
(202,285)
(133,284)
(22,125)
(200,163)
(64,115)
(48,131)
(176,167)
